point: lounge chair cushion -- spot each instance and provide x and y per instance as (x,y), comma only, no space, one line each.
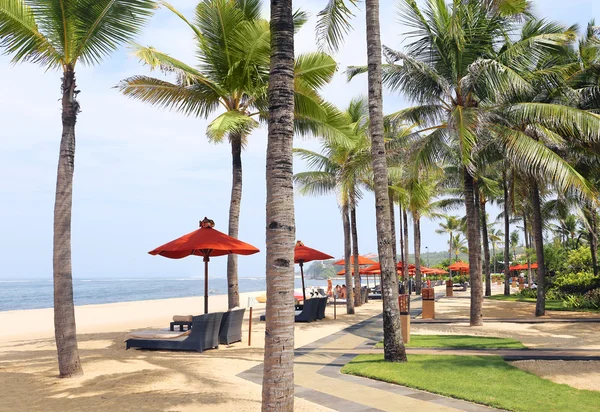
(180,318)
(156,334)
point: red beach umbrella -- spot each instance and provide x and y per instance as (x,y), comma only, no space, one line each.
(361,261)
(303,254)
(459,266)
(205,242)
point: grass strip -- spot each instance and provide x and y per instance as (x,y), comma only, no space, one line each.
(460,342)
(487,380)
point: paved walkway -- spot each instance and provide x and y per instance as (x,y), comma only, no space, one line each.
(319,380)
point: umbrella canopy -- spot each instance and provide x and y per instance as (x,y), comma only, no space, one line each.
(362,271)
(523,266)
(304,254)
(361,261)
(205,242)
(459,266)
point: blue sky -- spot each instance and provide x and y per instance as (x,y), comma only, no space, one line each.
(144,176)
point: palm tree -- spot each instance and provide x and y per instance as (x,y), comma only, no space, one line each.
(231,79)
(278,373)
(514,242)
(58,35)
(339,168)
(394,350)
(433,73)
(473,96)
(450,226)
(495,237)
(459,245)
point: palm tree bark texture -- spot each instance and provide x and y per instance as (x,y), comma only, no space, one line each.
(474,243)
(233,295)
(347,267)
(406,244)
(486,247)
(356,268)
(506,235)
(278,373)
(417,234)
(65,332)
(538,236)
(392,334)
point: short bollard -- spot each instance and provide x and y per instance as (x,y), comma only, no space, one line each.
(449,288)
(403,304)
(521,283)
(514,282)
(428,296)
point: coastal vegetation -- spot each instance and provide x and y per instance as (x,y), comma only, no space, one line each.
(504,109)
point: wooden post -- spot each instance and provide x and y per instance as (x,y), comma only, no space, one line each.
(334,306)
(250,327)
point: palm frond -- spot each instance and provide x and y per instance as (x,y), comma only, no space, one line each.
(315,69)
(100,26)
(333,23)
(20,35)
(195,100)
(228,123)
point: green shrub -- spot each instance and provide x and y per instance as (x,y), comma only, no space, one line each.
(555,258)
(592,299)
(579,260)
(528,293)
(577,283)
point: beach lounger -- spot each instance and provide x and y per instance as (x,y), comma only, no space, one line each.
(321,308)
(203,335)
(181,321)
(231,326)
(309,312)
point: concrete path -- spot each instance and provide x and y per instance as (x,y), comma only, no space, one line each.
(319,380)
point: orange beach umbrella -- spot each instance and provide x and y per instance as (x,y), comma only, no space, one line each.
(523,266)
(205,242)
(459,266)
(362,261)
(303,254)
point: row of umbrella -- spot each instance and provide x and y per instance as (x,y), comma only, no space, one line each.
(209,242)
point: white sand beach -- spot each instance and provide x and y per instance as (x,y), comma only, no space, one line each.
(132,380)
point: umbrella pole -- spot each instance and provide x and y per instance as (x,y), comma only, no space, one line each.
(302,276)
(206,259)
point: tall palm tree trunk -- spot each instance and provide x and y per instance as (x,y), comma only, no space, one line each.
(474,243)
(450,243)
(65,332)
(527,246)
(347,254)
(401,236)
(494,256)
(278,373)
(506,235)
(393,222)
(538,236)
(593,236)
(233,295)
(417,235)
(356,268)
(392,334)
(486,249)
(405,260)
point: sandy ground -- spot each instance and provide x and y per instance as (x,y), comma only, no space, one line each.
(134,380)
(579,374)
(119,380)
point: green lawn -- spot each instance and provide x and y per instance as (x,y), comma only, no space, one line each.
(460,342)
(487,380)
(550,304)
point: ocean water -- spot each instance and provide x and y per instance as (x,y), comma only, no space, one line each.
(38,294)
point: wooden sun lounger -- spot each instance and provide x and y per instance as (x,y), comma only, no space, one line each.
(204,335)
